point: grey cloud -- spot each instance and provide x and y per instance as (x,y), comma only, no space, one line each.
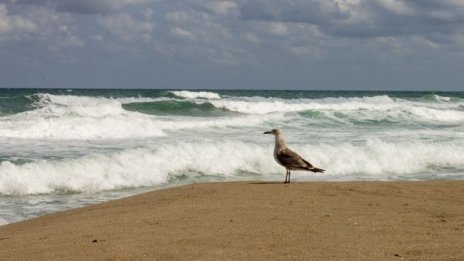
(87,7)
(246,40)
(78,6)
(363,19)
(291,11)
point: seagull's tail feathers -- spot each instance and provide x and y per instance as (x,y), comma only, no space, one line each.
(314,169)
(311,167)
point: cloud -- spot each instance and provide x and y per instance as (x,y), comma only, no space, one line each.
(148,13)
(69,39)
(363,18)
(223,7)
(96,6)
(88,6)
(251,37)
(278,28)
(127,28)
(14,23)
(82,6)
(209,39)
(264,37)
(397,7)
(317,12)
(188,17)
(181,33)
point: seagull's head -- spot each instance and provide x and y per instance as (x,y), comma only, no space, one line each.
(274,132)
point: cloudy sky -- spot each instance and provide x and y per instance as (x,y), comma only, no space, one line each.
(257,44)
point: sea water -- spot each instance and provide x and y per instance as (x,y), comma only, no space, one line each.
(61,149)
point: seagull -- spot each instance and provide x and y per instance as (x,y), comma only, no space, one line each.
(288,158)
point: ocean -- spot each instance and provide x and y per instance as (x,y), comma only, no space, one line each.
(62,148)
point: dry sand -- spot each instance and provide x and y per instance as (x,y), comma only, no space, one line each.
(255,221)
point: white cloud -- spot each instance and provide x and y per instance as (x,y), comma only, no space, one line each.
(177,16)
(252,38)
(127,28)
(70,39)
(305,52)
(223,57)
(188,17)
(347,5)
(148,13)
(397,6)
(214,42)
(97,38)
(277,28)
(223,7)
(84,6)
(181,33)
(14,23)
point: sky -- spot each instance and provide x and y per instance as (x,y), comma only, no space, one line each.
(236,44)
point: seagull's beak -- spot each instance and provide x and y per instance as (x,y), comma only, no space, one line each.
(267,132)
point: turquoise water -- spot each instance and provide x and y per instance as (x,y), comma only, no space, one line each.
(68,148)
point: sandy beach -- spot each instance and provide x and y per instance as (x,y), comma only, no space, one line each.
(255,221)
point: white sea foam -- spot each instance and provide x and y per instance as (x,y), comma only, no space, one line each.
(442,98)
(125,100)
(119,126)
(156,165)
(379,158)
(259,105)
(131,168)
(61,105)
(182,123)
(3,222)
(127,125)
(364,107)
(196,94)
(77,117)
(77,103)
(437,115)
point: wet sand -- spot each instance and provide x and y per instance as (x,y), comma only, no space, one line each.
(255,221)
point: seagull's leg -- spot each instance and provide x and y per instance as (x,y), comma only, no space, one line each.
(286,176)
(289,176)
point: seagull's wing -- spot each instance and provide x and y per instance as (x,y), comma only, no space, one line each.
(291,160)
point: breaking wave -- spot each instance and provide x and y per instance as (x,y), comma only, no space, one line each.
(224,160)
(80,117)
(178,107)
(363,107)
(196,94)
(130,168)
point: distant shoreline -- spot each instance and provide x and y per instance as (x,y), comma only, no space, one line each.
(369,220)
